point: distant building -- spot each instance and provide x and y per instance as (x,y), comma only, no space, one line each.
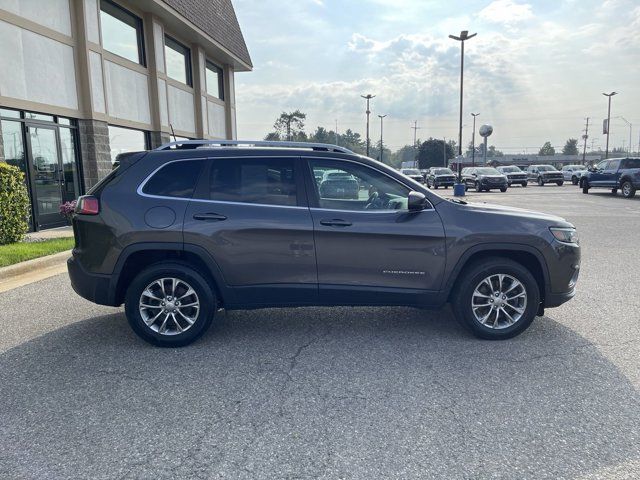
(84,80)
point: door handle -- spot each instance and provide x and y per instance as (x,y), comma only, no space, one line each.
(336,222)
(209,216)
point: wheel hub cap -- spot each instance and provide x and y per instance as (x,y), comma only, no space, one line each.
(499,301)
(169,306)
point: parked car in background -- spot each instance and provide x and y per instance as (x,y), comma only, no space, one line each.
(413,173)
(542,174)
(514,175)
(484,179)
(615,173)
(440,177)
(573,173)
(339,184)
(175,234)
(425,173)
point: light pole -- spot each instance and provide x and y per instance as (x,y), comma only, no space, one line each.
(606,155)
(464,35)
(473,141)
(630,127)
(368,97)
(381,144)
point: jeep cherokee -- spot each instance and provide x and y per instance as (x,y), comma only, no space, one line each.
(179,232)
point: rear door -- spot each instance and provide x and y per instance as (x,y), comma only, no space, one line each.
(250,214)
(370,249)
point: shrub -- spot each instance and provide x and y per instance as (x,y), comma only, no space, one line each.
(14,204)
(67,209)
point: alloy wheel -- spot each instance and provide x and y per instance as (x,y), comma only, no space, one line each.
(169,306)
(499,301)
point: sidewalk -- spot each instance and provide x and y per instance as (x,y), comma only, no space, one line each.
(59,232)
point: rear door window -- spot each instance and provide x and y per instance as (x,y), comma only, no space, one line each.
(266,181)
(176,179)
(631,163)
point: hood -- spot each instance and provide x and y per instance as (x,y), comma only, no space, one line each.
(551,220)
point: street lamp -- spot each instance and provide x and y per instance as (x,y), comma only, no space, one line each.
(473,141)
(630,127)
(381,144)
(464,35)
(606,155)
(368,97)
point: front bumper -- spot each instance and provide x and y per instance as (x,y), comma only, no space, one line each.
(444,182)
(91,286)
(556,299)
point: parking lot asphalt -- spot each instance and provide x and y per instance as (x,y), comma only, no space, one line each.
(361,393)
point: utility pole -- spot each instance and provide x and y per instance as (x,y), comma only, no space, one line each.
(464,35)
(630,127)
(381,144)
(473,141)
(368,97)
(444,152)
(336,132)
(415,129)
(606,155)
(584,137)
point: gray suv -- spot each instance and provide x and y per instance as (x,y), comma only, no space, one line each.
(177,233)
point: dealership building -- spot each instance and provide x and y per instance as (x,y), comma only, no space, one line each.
(84,80)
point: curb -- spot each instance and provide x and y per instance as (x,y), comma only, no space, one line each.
(29,266)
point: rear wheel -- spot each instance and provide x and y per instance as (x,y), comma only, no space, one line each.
(614,191)
(628,190)
(574,180)
(559,183)
(503,189)
(496,299)
(478,187)
(524,184)
(540,182)
(170,304)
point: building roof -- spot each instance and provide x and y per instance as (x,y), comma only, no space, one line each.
(218,19)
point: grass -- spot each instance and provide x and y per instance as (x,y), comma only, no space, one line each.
(19,252)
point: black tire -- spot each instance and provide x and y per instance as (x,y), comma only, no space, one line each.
(503,189)
(524,184)
(614,191)
(574,180)
(471,276)
(446,186)
(585,186)
(205,295)
(540,182)
(559,183)
(478,187)
(435,186)
(628,190)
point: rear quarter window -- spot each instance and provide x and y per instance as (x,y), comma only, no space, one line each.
(631,163)
(176,179)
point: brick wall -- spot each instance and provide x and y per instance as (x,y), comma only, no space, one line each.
(94,150)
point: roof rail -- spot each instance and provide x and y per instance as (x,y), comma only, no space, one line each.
(191,144)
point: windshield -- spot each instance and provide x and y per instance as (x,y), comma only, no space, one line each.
(411,171)
(510,169)
(546,168)
(487,171)
(442,171)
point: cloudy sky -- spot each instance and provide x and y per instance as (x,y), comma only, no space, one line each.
(535,71)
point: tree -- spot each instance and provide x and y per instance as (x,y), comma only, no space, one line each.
(571,147)
(406,153)
(547,149)
(289,126)
(375,153)
(435,153)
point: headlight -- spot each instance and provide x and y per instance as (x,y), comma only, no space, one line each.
(565,235)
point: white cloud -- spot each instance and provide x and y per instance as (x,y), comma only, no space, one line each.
(506,12)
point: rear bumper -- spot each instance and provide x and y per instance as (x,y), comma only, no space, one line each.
(93,287)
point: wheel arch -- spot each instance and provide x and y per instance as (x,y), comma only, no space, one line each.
(138,256)
(529,257)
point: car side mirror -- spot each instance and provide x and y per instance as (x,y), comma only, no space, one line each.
(416,201)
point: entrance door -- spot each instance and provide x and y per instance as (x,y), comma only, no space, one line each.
(47,179)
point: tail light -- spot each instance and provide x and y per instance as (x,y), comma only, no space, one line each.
(88,205)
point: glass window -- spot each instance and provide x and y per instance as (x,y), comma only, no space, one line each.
(64,121)
(214,79)
(38,116)
(178,61)
(69,170)
(613,165)
(121,32)
(631,163)
(350,186)
(13,144)
(601,165)
(269,181)
(123,140)
(9,113)
(176,179)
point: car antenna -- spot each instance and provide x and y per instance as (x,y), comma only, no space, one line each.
(173,133)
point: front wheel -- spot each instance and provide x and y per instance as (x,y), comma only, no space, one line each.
(628,190)
(540,182)
(574,180)
(614,191)
(524,184)
(478,187)
(559,183)
(503,189)
(170,304)
(496,298)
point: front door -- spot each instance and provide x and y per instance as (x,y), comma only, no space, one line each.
(369,247)
(46,175)
(597,177)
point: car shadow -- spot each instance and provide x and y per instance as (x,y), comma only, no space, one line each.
(313,392)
